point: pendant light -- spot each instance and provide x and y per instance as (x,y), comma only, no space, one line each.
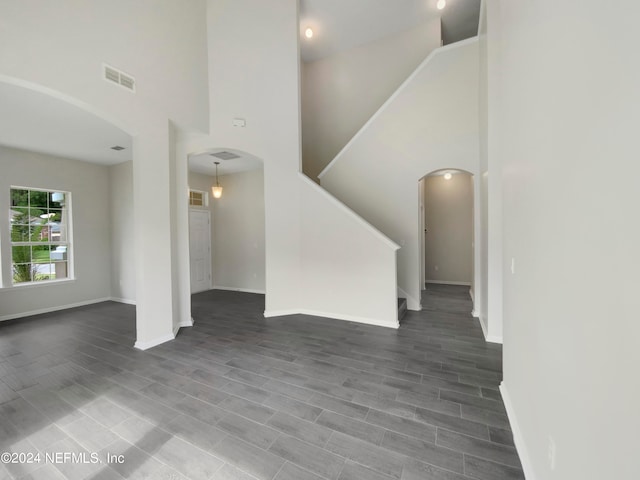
(216,190)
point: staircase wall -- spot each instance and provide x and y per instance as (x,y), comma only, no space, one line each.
(430,123)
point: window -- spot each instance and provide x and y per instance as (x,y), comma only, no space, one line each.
(40,235)
(198,198)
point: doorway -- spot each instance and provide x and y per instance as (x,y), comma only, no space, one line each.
(448,249)
(200,249)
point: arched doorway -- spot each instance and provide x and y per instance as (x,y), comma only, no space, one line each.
(447,225)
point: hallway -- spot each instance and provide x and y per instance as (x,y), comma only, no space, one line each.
(241,397)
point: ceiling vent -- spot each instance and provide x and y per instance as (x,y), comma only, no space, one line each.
(225,155)
(113,75)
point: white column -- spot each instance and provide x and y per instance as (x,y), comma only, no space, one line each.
(155,291)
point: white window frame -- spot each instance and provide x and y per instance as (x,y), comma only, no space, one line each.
(69,243)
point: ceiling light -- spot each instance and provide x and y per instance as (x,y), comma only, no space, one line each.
(441,4)
(308,32)
(447,176)
(216,190)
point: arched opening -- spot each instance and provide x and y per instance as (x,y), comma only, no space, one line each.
(54,146)
(447,226)
(226,234)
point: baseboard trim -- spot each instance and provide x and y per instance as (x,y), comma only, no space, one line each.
(518,437)
(155,342)
(186,323)
(482,326)
(123,300)
(333,316)
(447,282)
(243,290)
(40,311)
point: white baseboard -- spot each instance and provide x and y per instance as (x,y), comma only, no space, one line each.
(482,321)
(446,282)
(487,337)
(52,309)
(235,289)
(334,316)
(155,342)
(186,323)
(518,438)
(123,300)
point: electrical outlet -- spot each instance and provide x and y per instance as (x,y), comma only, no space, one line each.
(552,453)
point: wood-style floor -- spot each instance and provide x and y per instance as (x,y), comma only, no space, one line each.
(240,397)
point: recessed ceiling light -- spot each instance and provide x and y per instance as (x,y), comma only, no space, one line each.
(447,176)
(441,4)
(308,32)
(117,148)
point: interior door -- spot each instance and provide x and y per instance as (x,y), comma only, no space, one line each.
(200,250)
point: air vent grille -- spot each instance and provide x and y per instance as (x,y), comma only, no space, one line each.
(225,155)
(113,75)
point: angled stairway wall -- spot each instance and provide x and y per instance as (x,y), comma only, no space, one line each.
(429,123)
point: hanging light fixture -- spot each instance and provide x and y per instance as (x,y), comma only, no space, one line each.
(216,190)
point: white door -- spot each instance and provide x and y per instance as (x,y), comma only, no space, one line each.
(200,250)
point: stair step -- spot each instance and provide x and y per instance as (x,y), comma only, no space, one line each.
(402,308)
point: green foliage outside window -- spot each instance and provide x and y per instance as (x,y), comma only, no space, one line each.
(36,228)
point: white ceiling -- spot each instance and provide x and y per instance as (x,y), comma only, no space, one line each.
(34,121)
(342,24)
(204,163)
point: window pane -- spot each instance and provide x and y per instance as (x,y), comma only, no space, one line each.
(58,253)
(38,214)
(55,215)
(57,200)
(40,254)
(21,254)
(22,272)
(39,218)
(59,270)
(21,233)
(39,199)
(19,198)
(19,216)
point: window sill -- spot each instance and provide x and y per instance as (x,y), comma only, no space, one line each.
(38,284)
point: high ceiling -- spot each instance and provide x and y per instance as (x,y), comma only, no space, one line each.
(34,121)
(342,24)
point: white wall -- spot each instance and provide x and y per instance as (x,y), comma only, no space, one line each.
(569,120)
(239,248)
(263,88)
(489,305)
(123,275)
(89,187)
(62,46)
(449,224)
(341,92)
(430,124)
(59,49)
(348,269)
(237,230)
